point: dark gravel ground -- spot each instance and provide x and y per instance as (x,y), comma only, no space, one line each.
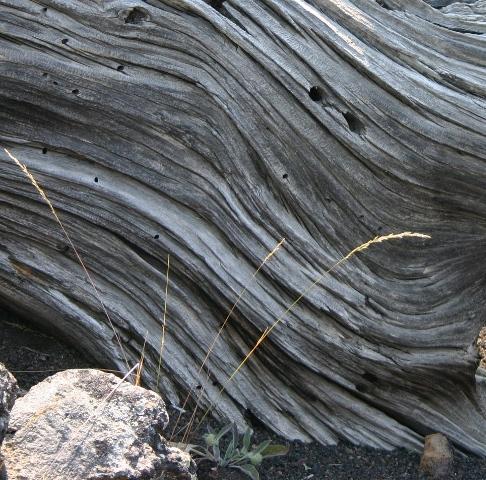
(32,356)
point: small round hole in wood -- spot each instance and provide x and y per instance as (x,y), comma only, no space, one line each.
(316,93)
(354,123)
(136,16)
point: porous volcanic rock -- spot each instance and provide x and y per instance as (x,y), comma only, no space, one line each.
(437,458)
(87,424)
(8,394)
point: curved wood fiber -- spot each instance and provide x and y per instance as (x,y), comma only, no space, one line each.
(209,131)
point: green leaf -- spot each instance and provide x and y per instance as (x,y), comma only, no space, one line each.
(275,450)
(255,458)
(250,470)
(217,453)
(223,432)
(234,433)
(210,439)
(261,447)
(247,440)
(230,451)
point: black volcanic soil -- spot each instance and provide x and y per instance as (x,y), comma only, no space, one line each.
(32,356)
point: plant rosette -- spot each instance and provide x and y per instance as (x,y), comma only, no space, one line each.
(244,458)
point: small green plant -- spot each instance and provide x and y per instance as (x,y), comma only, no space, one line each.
(246,457)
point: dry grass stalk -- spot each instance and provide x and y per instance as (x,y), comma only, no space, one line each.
(268,330)
(43,195)
(162,339)
(218,334)
(265,334)
(138,376)
(255,273)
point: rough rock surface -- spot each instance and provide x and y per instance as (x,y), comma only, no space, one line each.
(8,394)
(65,428)
(481,344)
(436,461)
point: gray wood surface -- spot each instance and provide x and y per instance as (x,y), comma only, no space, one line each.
(172,127)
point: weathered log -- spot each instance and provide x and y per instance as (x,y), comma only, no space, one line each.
(210,132)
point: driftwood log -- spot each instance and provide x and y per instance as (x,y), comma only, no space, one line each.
(209,131)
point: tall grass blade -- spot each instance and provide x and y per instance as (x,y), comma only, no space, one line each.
(162,339)
(218,334)
(268,330)
(43,195)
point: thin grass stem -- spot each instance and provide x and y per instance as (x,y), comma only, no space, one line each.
(43,195)
(268,330)
(162,339)
(218,334)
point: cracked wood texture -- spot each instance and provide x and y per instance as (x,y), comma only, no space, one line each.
(211,130)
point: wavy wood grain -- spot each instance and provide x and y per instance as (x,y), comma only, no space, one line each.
(172,127)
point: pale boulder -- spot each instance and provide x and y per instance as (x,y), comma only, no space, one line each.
(8,394)
(437,458)
(85,424)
